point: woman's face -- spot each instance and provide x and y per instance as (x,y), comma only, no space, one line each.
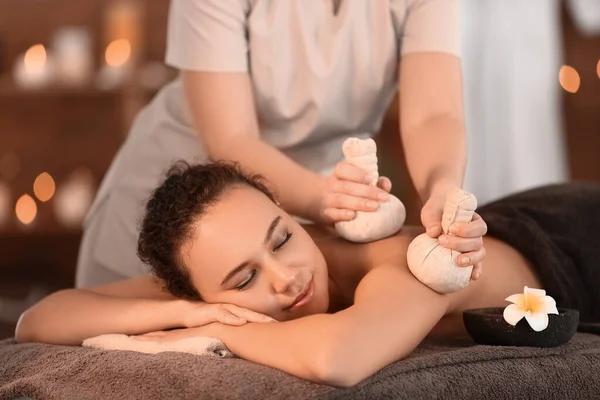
(247,251)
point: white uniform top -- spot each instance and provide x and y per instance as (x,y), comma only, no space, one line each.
(321,72)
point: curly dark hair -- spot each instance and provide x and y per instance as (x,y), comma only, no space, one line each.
(172,210)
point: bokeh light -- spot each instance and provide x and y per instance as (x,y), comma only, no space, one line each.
(74,197)
(35,58)
(598,69)
(569,79)
(44,187)
(26,209)
(118,52)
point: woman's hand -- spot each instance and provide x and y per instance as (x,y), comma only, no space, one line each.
(198,314)
(347,190)
(466,238)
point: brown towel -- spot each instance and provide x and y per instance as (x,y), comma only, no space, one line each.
(457,371)
(454,370)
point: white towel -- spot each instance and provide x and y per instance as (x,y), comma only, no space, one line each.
(201,346)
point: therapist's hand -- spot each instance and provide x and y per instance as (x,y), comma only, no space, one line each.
(466,238)
(347,191)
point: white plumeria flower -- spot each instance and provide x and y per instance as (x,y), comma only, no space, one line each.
(534,305)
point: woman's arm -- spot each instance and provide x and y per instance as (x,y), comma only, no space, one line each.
(434,139)
(130,307)
(432,124)
(393,312)
(224,114)
(207,41)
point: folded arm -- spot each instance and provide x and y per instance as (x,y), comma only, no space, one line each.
(130,307)
(393,313)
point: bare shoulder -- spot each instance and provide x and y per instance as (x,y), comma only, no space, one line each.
(353,261)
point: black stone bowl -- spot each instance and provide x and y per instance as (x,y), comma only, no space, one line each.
(487,326)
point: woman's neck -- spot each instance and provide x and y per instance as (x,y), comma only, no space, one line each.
(338,301)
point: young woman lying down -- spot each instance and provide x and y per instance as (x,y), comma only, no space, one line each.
(227,262)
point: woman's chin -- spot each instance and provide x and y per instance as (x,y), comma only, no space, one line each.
(319,304)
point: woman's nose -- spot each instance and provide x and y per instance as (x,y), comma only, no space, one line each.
(282,276)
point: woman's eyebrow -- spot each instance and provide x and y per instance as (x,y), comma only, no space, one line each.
(233,272)
(243,265)
(271,229)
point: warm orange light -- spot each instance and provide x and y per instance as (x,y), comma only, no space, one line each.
(118,52)
(598,69)
(44,187)
(569,79)
(35,58)
(26,209)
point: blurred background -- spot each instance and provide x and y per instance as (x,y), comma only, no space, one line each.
(74,74)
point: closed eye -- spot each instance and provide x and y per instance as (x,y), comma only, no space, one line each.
(247,281)
(288,236)
(253,273)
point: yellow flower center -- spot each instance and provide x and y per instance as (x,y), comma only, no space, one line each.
(532,303)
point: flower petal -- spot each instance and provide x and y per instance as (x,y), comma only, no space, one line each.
(518,299)
(535,292)
(513,314)
(537,320)
(549,305)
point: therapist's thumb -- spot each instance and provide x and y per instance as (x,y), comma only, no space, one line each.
(431,218)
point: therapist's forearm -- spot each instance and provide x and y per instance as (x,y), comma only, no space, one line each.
(225,117)
(436,155)
(298,189)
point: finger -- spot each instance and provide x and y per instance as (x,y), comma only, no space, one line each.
(433,231)
(471,258)
(463,245)
(477,269)
(249,315)
(384,183)
(336,215)
(361,190)
(431,220)
(348,172)
(477,227)
(226,317)
(346,202)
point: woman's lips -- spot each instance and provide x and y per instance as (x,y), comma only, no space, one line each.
(304,297)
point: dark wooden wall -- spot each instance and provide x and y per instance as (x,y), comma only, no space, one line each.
(582,109)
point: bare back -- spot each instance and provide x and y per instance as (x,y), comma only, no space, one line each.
(505,271)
